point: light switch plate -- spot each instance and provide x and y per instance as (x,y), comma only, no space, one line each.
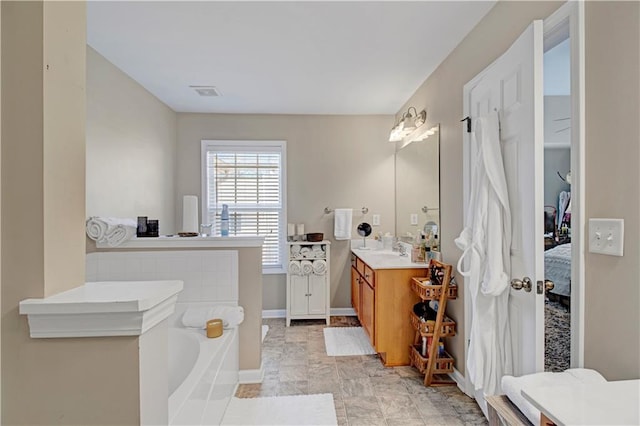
(414,218)
(606,236)
(376,220)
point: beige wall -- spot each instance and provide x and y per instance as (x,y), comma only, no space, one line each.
(612,92)
(50,381)
(441,96)
(131,138)
(612,311)
(334,161)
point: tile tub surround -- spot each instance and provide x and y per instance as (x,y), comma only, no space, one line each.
(249,279)
(364,391)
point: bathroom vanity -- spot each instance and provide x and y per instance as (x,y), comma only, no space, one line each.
(381,295)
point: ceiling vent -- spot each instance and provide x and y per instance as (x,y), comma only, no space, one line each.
(206,90)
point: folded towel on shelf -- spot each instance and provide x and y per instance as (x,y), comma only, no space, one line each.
(306,266)
(342,224)
(197,316)
(111,230)
(294,267)
(319,267)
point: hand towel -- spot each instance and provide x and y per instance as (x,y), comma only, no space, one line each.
(319,267)
(197,317)
(306,266)
(294,267)
(342,224)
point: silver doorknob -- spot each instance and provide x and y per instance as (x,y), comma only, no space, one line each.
(525,284)
(549,285)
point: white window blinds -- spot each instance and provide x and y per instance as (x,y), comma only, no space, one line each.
(249,178)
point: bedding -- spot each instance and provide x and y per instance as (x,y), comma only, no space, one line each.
(557,268)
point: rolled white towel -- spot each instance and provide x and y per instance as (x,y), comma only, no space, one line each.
(119,234)
(295,249)
(306,266)
(305,252)
(96,228)
(112,230)
(294,267)
(319,267)
(197,316)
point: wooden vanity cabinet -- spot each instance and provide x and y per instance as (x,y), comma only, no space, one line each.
(355,287)
(382,298)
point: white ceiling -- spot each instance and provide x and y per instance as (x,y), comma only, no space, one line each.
(334,57)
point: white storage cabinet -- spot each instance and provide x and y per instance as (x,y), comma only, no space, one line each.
(308,292)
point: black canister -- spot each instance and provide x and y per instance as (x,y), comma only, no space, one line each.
(141,231)
(152,228)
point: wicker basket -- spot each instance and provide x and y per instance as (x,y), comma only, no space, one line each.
(315,237)
(426,328)
(426,291)
(443,364)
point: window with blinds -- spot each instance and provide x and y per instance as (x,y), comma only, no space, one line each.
(249,178)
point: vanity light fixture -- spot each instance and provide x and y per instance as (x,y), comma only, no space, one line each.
(409,122)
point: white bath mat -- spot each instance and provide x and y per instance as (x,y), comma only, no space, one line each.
(282,410)
(265,329)
(345,341)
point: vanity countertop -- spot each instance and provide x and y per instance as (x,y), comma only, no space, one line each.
(385,259)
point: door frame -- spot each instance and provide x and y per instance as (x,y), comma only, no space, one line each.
(568,18)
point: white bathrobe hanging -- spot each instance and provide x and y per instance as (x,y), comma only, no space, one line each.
(486,242)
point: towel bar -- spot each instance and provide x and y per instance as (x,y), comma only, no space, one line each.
(328,210)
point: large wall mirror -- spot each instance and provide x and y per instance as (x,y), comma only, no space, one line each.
(418,187)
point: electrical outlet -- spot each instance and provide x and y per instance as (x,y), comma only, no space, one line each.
(414,218)
(376,220)
(606,236)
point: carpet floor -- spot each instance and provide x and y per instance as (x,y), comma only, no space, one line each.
(557,339)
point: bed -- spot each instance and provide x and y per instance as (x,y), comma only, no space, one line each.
(557,268)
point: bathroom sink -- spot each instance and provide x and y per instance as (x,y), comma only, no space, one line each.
(385,259)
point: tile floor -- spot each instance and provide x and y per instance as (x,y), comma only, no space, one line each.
(364,391)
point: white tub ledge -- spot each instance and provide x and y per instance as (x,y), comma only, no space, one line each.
(107,308)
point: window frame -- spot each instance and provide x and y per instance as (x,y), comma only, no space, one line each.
(248,145)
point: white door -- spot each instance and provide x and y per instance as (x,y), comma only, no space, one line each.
(512,86)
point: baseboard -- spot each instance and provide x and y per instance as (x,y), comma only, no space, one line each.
(282,313)
(459,379)
(343,312)
(274,313)
(251,376)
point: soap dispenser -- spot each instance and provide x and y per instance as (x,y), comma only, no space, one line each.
(224,221)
